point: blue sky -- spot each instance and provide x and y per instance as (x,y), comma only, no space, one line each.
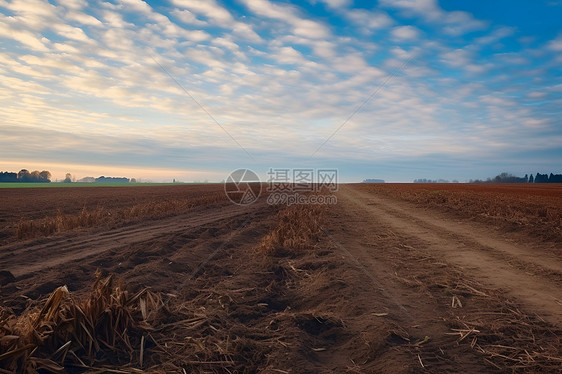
(445,89)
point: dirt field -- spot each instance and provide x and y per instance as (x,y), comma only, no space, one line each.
(36,212)
(535,209)
(392,279)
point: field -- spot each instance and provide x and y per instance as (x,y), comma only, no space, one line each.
(33,212)
(176,279)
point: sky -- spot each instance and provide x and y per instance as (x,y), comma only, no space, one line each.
(193,89)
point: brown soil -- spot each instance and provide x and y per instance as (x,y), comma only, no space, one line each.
(102,206)
(532,209)
(374,284)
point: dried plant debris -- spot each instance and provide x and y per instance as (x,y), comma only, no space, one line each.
(105,328)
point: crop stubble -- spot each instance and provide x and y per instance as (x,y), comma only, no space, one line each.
(279,296)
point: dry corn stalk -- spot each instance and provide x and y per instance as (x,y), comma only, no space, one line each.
(102,329)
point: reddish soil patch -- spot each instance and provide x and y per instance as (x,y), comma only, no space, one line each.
(34,212)
(532,209)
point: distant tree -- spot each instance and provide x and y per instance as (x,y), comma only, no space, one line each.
(133,180)
(68,178)
(526,177)
(23,175)
(541,178)
(424,180)
(45,176)
(103,179)
(531,179)
(8,177)
(34,176)
(555,178)
(508,178)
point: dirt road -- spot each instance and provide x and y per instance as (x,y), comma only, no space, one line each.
(526,274)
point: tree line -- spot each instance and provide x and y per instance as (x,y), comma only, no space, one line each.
(424,180)
(528,178)
(25,176)
(70,179)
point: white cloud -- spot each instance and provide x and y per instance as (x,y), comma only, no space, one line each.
(511,58)
(427,8)
(32,14)
(73,33)
(323,48)
(209,9)
(28,38)
(288,55)
(138,5)
(74,4)
(246,31)
(556,44)
(458,23)
(227,43)
(31,7)
(454,23)
(66,48)
(54,61)
(218,16)
(301,26)
(83,18)
(188,17)
(115,20)
(162,24)
(405,32)
(535,123)
(496,100)
(354,63)
(465,59)
(405,55)
(457,57)
(369,19)
(326,49)
(496,35)
(536,94)
(337,3)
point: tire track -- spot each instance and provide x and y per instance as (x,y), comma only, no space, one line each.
(27,257)
(476,251)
